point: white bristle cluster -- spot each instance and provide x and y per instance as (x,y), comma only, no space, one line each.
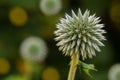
(34,49)
(114,72)
(50,7)
(80,34)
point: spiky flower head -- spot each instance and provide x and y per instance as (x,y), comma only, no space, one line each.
(80,34)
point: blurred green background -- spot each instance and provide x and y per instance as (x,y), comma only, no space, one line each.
(20,19)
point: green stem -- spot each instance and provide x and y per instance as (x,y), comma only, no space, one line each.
(73,66)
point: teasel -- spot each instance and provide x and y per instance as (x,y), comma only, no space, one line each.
(78,36)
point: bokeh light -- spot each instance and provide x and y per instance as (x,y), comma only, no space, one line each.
(50,7)
(18,16)
(4,66)
(114,72)
(15,77)
(33,49)
(23,67)
(50,73)
(115,13)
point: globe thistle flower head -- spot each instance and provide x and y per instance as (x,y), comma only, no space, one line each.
(50,7)
(114,72)
(33,49)
(79,34)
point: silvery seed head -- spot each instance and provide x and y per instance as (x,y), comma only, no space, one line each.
(114,72)
(33,49)
(50,7)
(79,34)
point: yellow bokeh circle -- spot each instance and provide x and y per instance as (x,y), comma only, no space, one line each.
(23,67)
(50,74)
(4,66)
(115,13)
(18,16)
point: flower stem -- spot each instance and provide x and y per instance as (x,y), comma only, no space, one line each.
(73,66)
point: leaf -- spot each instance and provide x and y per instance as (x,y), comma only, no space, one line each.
(86,67)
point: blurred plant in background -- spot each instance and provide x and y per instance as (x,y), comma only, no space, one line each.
(114,72)
(50,7)
(21,19)
(15,77)
(33,49)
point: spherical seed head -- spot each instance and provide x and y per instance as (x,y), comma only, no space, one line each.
(50,7)
(33,49)
(114,72)
(79,34)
